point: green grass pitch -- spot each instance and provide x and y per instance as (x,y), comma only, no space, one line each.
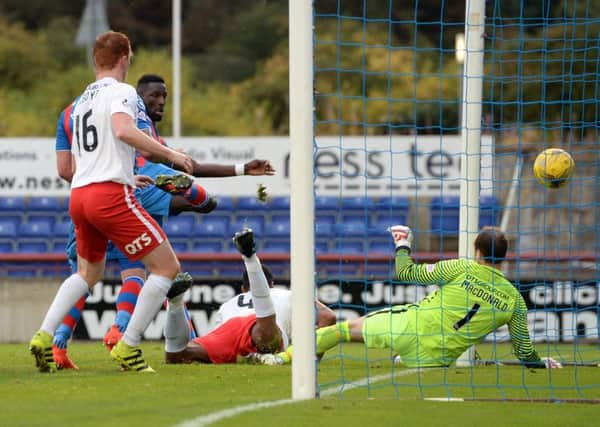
(100,395)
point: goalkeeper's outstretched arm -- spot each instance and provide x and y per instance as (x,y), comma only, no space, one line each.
(519,335)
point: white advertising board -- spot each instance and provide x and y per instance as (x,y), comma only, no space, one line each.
(345,166)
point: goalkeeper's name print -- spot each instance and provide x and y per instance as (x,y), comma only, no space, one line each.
(486,296)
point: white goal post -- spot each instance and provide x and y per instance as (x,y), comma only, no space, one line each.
(302,244)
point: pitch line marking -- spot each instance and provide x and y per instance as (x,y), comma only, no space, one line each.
(205,420)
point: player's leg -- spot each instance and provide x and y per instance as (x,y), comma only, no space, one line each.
(178,345)
(64,332)
(133,275)
(172,193)
(265,333)
(63,335)
(91,249)
(121,219)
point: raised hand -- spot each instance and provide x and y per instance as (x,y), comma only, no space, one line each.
(402,236)
(259,167)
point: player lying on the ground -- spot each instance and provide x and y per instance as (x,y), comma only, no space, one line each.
(180,194)
(258,321)
(473,300)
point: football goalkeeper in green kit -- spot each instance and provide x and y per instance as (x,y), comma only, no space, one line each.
(474,299)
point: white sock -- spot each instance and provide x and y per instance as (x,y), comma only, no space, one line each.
(73,288)
(177,329)
(149,301)
(259,288)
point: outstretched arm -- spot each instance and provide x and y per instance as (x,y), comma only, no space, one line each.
(254,167)
(519,335)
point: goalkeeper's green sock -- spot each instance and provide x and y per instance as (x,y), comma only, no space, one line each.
(327,337)
(330,336)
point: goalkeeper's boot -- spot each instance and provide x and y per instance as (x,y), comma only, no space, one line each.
(174,184)
(112,337)
(130,358)
(62,360)
(40,347)
(244,242)
(182,283)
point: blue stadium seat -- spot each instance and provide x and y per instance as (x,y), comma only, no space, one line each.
(350,247)
(35,229)
(381,247)
(7,246)
(489,209)
(254,222)
(278,227)
(444,215)
(8,229)
(211,227)
(326,217)
(249,203)
(280,203)
(41,216)
(45,204)
(14,218)
(208,246)
(327,203)
(58,245)
(12,204)
(324,229)
(179,245)
(32,246)
(359,203)
(321,246)
(224,204)
(276,246)
(61,229)
(177,226)
(358,215)
(357,229)
(395,203)
(384,219)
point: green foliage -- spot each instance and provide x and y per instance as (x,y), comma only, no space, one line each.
(371,80)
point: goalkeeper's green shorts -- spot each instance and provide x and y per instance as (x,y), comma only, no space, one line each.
(394,328)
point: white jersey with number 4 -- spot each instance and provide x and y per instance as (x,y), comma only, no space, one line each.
(99,155)
(241,305)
